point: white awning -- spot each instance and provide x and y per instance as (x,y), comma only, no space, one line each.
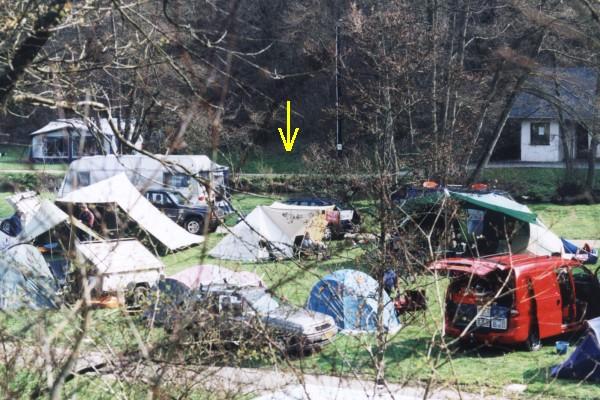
(46,217)
(120,191)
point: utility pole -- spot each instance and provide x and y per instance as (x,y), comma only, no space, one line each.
(338,122)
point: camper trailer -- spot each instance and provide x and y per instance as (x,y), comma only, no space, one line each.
(165,172)
(66,140)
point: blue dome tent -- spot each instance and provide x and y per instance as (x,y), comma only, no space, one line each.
(350,297)
(584,362)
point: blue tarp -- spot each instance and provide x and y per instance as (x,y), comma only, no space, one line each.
(350,297)
(587,256)
(584,362)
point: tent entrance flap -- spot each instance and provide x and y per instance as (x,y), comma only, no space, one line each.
(498,203)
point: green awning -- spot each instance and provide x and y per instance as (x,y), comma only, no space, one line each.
(498,203)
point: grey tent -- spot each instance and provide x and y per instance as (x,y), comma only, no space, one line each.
(25,279)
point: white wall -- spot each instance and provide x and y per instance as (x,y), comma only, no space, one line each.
(550,153)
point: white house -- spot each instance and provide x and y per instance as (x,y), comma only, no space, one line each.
(570,91)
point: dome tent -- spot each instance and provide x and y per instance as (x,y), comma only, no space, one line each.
(583,363)
(25,279)
(350,297)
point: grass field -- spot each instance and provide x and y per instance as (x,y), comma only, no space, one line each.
(416,353)
(16,158)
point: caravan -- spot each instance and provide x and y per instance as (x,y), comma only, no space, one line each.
(170,172)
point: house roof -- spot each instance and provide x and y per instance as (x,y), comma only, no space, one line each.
(576,96)
(61,124)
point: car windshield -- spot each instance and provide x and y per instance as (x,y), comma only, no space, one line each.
(178,198)
(260,300)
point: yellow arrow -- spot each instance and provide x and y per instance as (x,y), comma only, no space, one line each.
(287,143)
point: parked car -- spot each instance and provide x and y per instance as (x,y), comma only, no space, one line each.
(349,219)
(518,299)
(176,207)
(240,313)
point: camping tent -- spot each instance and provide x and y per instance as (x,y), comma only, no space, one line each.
(69,139)
(6,240)
(277,226)
(497,202)
(25,280)
(120,191)
(350,297)
(208,274)
(584,362)
(533,237)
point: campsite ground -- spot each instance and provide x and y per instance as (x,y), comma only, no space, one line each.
(410,356)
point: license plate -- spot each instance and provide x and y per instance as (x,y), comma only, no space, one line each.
(499,323)
(329,334)
(484,311)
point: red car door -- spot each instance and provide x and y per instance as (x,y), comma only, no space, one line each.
(548,305)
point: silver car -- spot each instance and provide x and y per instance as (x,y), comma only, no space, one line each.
(252,314)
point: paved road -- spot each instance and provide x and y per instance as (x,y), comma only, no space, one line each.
(526,164)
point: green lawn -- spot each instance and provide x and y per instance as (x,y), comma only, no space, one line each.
(572,222)
(534,184)
(16,158)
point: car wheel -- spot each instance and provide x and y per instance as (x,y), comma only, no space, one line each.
(533,342)
(194,225)
(327,233)
(139,296)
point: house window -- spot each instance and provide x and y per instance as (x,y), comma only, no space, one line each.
(540,134)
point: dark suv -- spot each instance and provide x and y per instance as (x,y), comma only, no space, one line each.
(175,206)
(349,217)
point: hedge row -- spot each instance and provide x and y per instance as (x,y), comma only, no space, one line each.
(40,182)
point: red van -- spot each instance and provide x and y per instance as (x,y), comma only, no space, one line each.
(518,299)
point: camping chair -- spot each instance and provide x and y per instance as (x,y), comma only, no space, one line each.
(318,251)
(299,251)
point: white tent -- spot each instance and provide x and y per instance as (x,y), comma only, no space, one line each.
(535,239)
(278,224)
(120,191)
(544,242)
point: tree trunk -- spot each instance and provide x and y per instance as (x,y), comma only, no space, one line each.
(493,140)
(567,147)
(30,47)
(591,169)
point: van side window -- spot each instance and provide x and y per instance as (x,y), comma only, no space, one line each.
(176,180)
(83,179)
